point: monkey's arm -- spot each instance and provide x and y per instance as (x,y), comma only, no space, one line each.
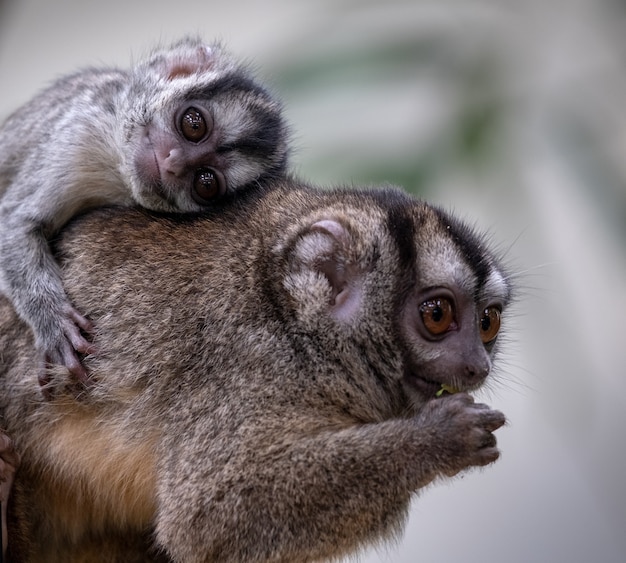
(31,279)
(59,158)
(324,494)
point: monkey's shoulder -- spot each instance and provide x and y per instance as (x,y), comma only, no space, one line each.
(83,91)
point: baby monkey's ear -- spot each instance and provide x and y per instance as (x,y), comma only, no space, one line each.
(322,269)
(189,60)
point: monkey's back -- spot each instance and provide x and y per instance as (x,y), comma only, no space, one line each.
(183,333)
(86,490)
(51,121)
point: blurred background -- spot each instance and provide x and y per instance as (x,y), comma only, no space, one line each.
(512,114)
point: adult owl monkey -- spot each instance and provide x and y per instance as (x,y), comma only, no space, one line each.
(276,399)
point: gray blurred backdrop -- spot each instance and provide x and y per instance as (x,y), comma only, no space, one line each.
(513,114)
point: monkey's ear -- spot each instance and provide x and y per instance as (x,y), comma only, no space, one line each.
(197,60)
(323,252)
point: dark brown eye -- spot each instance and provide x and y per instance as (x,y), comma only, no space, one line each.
(207,185)
(489,324)
(437,315)
(193,125)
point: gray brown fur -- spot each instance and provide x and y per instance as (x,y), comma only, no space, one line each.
(88,140)
(237,411)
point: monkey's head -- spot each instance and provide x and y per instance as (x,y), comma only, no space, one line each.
(198,128)
(451,316)
(414,292)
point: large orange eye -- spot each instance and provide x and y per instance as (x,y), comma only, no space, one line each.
(193,125)
(207,185)
(437,315)
(489,324)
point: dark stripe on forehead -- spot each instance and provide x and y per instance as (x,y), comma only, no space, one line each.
(402,229)
(401,225)
(469,243)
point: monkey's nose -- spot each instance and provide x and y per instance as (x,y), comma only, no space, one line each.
(174,163)
(476,371)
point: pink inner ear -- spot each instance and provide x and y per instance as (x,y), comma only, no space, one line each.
(331,266)
(344,280)
(185,65)
(348,301)
(180,70)
(333,228)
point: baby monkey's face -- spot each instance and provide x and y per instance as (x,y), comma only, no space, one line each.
(199,127)
(179,159)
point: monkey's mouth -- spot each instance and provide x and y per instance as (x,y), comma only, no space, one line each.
(414,378)
(424,386)
(430,388)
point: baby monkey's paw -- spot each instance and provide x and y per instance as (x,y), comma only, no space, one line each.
(66,349)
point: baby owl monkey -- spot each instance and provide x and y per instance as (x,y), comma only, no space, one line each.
(174,133)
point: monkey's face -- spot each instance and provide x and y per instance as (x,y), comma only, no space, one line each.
(450,338)
(451,318)
(200,150)
(198,129)
(178,161)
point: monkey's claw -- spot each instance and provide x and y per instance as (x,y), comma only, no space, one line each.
(66,351)
(9,462)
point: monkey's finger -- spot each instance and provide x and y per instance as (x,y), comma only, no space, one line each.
(79,320)
(72,333)
(83,346)
(486,456)
(7,452)
(76,369)
(66,357)
(492,420)
(482,406)
(488,440)
(78,342)
(460,397)
(12,460)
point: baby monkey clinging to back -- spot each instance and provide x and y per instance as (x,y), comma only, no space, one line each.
(172,134)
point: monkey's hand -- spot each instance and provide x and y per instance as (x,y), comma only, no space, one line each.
(462,432)
(9,462)
(65,349)
(31,278)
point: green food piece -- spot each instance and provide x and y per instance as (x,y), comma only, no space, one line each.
(448,388)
